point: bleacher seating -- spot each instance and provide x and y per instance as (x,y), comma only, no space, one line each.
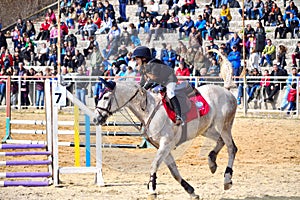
(235,26)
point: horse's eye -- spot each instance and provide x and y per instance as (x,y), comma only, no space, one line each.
(105,98)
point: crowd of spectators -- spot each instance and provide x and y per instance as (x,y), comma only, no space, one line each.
(190,58)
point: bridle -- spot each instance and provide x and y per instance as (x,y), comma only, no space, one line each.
(143,124)
(110,102)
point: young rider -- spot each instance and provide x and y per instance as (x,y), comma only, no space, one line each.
(154,71)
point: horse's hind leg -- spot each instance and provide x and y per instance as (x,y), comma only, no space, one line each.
(170,162)
(212,156)
(232,149)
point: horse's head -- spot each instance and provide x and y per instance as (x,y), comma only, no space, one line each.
(112,98)
(104,106)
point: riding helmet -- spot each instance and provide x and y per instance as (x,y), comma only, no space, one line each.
(142,51)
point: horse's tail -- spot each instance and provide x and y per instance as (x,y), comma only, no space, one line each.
(225,70)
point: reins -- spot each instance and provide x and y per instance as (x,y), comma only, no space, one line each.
(130,119)
(143,124)
(146,126)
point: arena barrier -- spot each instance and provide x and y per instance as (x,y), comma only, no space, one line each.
(47,176)
(46,128)
(10,131)
(85,124)
(52,132)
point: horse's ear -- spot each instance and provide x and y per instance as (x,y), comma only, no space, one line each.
(143,102)
(102,80)
(110,85)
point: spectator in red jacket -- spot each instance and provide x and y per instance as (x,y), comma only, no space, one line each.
(97,20)
(81,22)
(44,31)
(2,85)
(265,82)
(292,97)
(182,70)
(64,28)
(7,59)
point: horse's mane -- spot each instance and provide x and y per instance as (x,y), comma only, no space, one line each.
(135,85)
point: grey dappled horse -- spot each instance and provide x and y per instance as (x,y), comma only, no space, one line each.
(162,132)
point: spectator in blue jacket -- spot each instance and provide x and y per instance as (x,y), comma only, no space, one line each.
(235,41)
(293,25)
(290,9)
(200,24)
(169,56)
(97,92)
(257,9)
(186,27)
(291,79)
(235,58)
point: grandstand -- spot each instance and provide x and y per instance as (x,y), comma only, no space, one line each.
(235,26)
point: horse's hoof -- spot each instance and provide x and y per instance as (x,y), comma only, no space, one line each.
(227,186)
(213,168)
(227,181)
(195,197)
(212,162)
(152,196)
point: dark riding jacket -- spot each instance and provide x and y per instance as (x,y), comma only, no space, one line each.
(155,71)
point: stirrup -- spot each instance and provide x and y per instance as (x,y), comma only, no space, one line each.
(179,121)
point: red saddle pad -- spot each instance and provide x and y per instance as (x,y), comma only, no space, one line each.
(198,103)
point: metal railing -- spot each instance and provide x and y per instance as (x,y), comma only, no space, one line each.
(257,106)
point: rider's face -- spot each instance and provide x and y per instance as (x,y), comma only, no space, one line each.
(139,61)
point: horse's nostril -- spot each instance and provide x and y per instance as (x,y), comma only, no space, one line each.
(95,121)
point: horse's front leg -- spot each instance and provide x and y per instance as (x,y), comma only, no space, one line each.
(170,162)
(165,146)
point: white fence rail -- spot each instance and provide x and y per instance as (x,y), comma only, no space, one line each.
(257,106)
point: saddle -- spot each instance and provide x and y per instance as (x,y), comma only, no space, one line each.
(191,102)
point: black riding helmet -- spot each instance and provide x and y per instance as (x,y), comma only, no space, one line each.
(142,52)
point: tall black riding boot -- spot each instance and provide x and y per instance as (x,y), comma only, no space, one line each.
(174,101)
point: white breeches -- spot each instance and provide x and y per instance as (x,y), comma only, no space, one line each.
(170,89)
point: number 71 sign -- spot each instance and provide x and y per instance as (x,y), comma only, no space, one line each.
(59,95)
